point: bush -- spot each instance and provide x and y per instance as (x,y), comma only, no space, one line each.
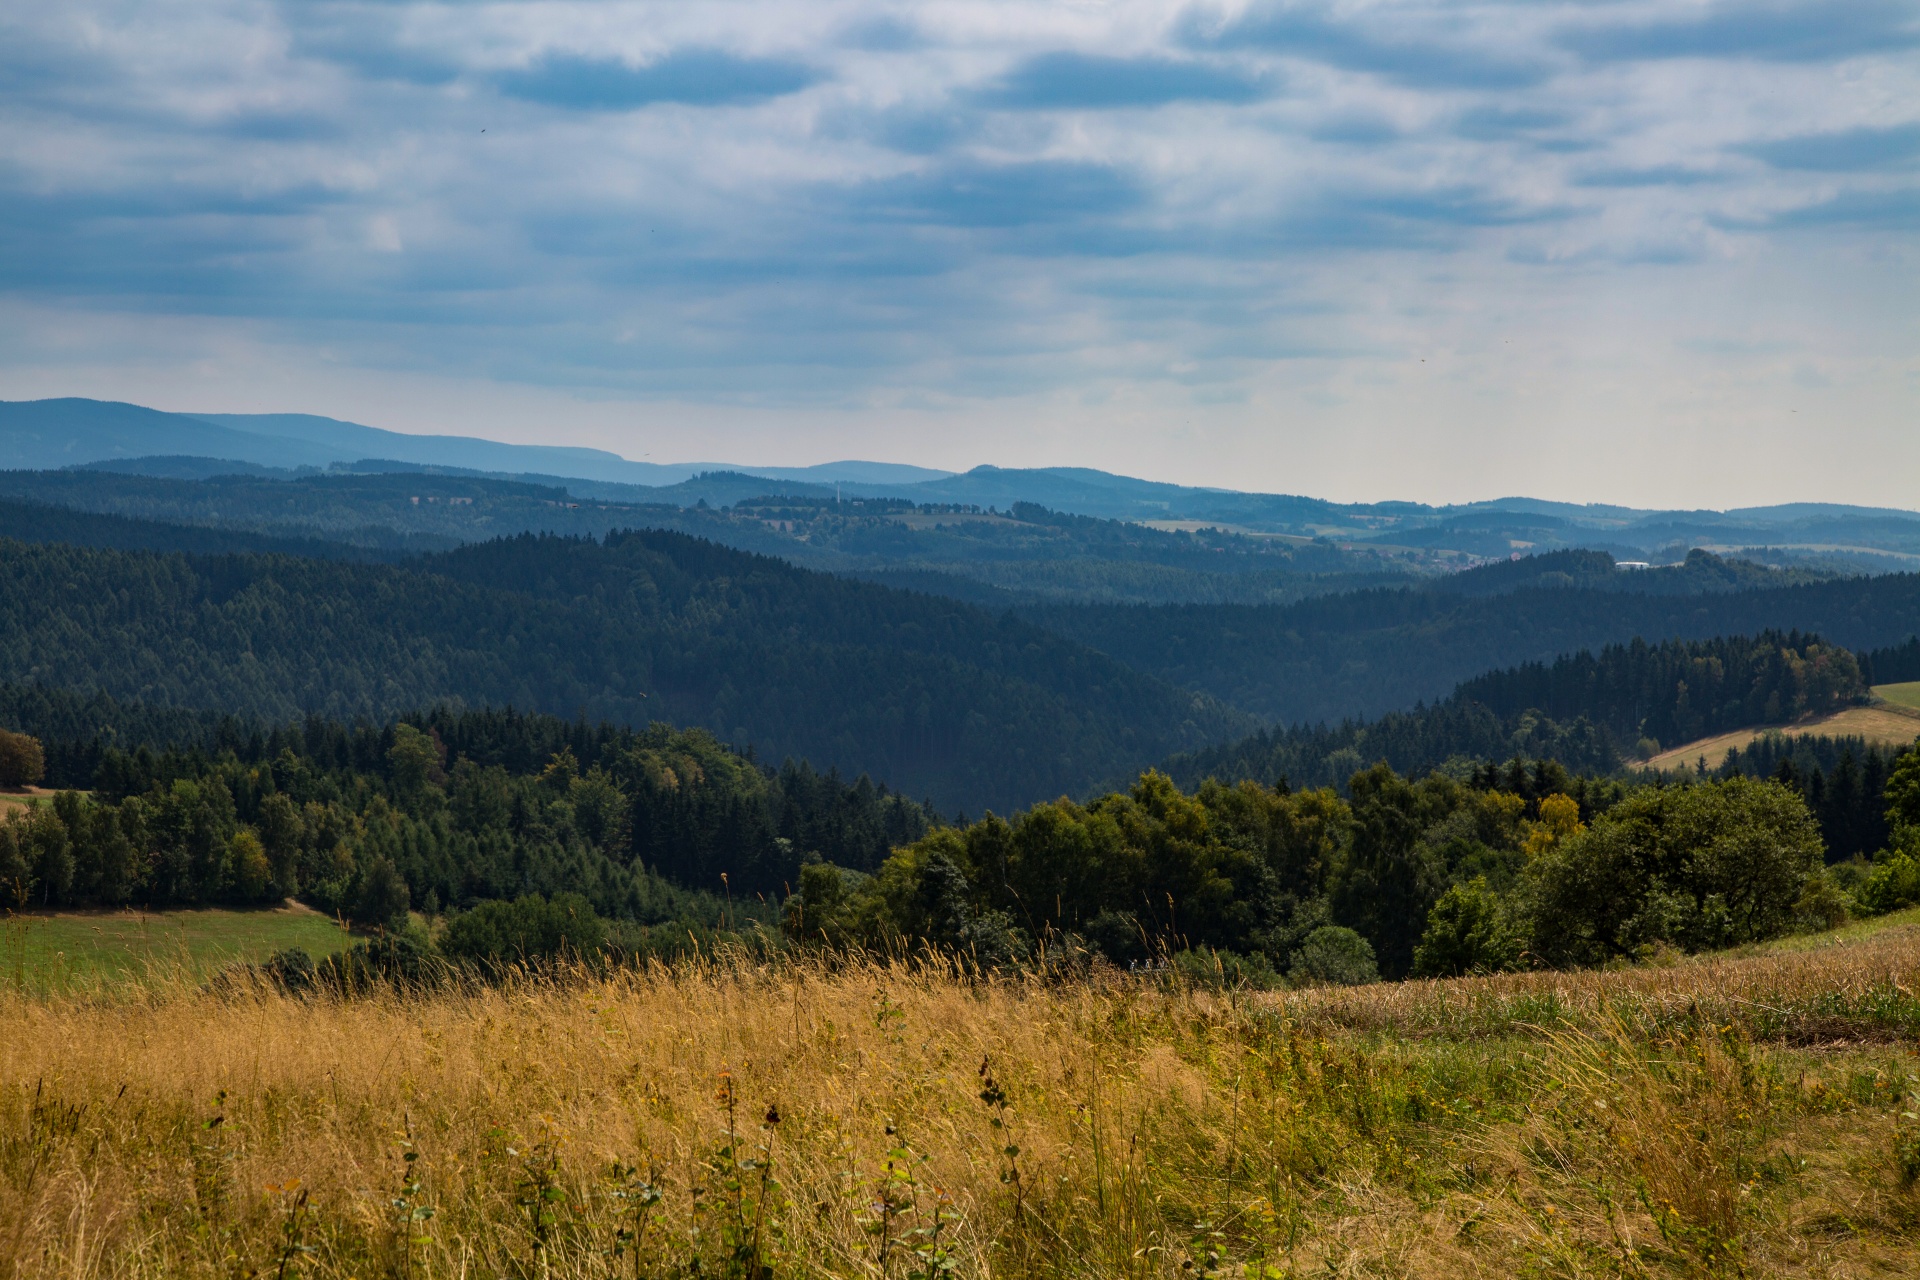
(1893,883)
(291,970)
(530,928)
(1206,967)
(1823,904)
(1711,864)
(395,959)
(1336,954)
(22,762)
(1467,932)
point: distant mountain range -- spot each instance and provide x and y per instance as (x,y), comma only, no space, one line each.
(68,433)
(49,434)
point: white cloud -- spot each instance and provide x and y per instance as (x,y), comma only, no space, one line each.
(908,225)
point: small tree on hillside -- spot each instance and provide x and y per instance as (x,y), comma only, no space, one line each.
(22,762)
(383,897)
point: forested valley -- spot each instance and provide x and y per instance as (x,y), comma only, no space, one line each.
(231,717)
(1366,653)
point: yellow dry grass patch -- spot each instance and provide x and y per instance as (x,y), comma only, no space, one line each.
(1884,724)
(1651,1122)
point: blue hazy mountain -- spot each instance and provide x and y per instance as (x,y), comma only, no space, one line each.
(52,434)
(49,434)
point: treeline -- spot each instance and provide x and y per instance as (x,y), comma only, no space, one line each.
(1507,867)
(944,699)
(1896,665)
(1647,695)
(445,810)
(44,522)
(1591,713)
(1842,780)
(1365,653)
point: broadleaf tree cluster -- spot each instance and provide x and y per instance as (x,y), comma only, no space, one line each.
(1436,876)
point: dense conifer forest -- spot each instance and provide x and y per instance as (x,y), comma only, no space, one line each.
(943,699)
(1366,653)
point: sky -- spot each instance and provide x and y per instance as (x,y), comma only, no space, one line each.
(1663,254)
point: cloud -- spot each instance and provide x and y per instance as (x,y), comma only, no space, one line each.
(1849,151)
(1077,81)
(694,77)
(369,42)
(1295,31)
(1496,122)
(959,201)
(1401,220)
(1897,210)
(1817,31)
(1002,196)
(1666,175)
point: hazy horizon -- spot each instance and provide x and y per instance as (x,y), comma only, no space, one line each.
(1648,254)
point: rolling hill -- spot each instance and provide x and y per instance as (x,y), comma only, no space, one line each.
(941,699)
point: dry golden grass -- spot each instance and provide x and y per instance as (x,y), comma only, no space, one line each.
(1649,1122)
(1887,723)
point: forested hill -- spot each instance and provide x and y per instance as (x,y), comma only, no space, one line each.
(40,522)
(944,700)
(1366,653)
(463,806)
(1589,712)
(1677,691)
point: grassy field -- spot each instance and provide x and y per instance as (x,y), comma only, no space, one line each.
(1894,723)
(1741,1115)
(82,950)
(24,797)
(1903,695)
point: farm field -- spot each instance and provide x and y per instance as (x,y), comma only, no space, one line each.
(84,949)
(1741,1114)
(1888,723)
(1902,695)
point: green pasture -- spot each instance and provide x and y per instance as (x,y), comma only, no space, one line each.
(68,949)
(1901,695)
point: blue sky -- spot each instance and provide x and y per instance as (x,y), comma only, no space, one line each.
(1613,251)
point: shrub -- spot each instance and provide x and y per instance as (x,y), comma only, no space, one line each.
(1336,954)
(528,928)
(22,762)
(1712,864)
(1823,904)
(1467,932)
(397,959)
(1893,883)
(1206,967)
(291,970)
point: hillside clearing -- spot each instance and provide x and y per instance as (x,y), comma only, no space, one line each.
(80,950)
(1888,723)
(23,797)
(1901,695)
(1730,1115)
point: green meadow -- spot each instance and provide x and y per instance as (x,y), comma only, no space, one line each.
(69,950)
